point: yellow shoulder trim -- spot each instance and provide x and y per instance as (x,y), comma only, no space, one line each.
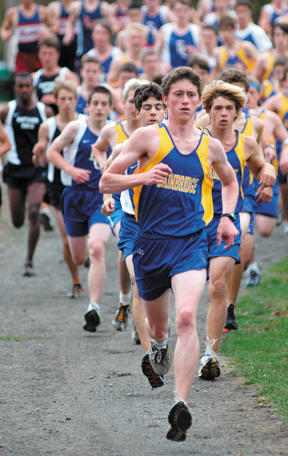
(223,57)
(248,62)
(268,71)
(284,107)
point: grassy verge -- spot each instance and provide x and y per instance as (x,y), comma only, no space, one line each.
(259,349)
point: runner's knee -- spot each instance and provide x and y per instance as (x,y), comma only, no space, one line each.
(96,249)
(185,321)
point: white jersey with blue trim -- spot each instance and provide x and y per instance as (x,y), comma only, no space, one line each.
(79,154)
(174,51)
(256,36)
(52,129)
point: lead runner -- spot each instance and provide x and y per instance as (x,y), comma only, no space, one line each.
(173,204)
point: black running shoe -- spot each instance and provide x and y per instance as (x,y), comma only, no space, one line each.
(180,419)
(92,319)
(155,380)
(230,323)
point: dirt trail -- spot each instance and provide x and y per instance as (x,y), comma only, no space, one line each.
(67,392)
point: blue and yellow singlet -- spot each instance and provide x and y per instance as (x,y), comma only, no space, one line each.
(182,205)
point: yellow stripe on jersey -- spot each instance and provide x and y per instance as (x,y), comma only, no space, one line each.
(166,145)
(248,129)
(239,149)
(224,56)
(269,69)
(248,62)
(207,184)
(284,108)
(121,134)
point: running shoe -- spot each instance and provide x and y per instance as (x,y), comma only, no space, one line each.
(161,359)
(253,278)
(28,269)
(120,320)
(180,420)
(77,290)
(135,336)
(46,221)
(155,380)
(230,323)
(209,367)
(92,318)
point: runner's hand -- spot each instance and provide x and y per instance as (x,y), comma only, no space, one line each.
(157,175)
(226,232)
(108,207)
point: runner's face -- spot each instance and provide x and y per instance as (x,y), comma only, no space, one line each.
(209,38)
(181,12)
(91,73)
(48,56)
(136,40)
(253,97)
(227,34)
(243,15)
(182,100)
(66,101)
(24,89)
(222,113)
(151,65)
(280,38)
(124,76)
(99,107)
(101,36)
(278,72)
(152,112)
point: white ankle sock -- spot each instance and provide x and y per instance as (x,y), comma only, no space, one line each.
(124,298)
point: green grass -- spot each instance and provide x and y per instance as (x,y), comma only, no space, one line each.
(18,338)
(259,349)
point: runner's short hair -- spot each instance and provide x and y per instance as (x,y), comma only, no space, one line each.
(227,21)
(130,67)
(200,61)
(104,24)
(234,75)
(133,84)
(244,3)
(50,41)
(60,84)
(179,73)
(136,26)
(146,91)
(89,59)
(23,74)
(100,89)
(281,25)
(223,89)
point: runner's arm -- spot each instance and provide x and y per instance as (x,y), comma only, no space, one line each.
(113,180)
(67,136)
(5,145)
(39,150)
